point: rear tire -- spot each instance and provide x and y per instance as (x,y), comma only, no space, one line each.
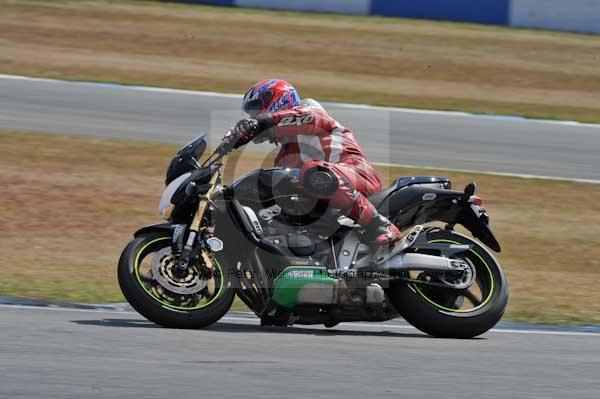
(161,312)
(442,320)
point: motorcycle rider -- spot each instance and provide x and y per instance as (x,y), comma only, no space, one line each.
(332,164)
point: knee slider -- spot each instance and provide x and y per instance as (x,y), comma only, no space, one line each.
(321,181)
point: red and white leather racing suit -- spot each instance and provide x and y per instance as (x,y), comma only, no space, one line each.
(311,138)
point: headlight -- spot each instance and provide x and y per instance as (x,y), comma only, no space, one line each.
(166,207)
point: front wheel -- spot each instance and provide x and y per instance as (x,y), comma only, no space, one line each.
(145,276)
(450,313)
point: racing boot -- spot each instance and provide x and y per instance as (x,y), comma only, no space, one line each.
(379,231)
(382,232)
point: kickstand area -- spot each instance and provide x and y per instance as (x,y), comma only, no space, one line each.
(273,315)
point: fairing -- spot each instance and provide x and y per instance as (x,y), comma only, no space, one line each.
(186,159)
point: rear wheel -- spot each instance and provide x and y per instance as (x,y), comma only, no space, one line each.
(195,300)
(452,313)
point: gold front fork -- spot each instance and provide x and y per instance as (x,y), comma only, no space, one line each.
(195,226)
(196,222)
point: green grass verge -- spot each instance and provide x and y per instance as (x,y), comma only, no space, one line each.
(359,59)
(69,207)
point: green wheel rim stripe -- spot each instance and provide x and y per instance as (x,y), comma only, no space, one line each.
(137,275)
(437,305)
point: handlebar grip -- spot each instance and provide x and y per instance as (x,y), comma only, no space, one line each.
(226,146)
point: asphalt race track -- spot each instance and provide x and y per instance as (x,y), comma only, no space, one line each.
(78,353)
(54,352)
(409,137)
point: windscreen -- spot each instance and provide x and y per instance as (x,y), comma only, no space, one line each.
(186,159)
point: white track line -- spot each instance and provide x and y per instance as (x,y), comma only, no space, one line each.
(61,309)
(124,86)
(481,172)
(337,104)
(378,326)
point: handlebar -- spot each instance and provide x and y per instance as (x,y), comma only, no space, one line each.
(224,148)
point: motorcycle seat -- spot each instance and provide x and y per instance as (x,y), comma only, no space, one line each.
(377,199)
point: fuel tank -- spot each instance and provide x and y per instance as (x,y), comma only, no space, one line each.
(266,188)
(265,185)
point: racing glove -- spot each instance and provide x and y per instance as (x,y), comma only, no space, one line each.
(244,131)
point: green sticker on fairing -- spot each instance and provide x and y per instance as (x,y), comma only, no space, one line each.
(291,281)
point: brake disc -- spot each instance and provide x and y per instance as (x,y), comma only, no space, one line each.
(163,264)
(462,278)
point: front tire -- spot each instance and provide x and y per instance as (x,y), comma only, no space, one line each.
(441,312)
(161,306)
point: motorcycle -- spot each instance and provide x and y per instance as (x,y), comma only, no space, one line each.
(294,259)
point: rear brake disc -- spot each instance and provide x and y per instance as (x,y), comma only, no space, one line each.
(461,279)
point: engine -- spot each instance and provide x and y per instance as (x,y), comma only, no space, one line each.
(289,224)
(279,209)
